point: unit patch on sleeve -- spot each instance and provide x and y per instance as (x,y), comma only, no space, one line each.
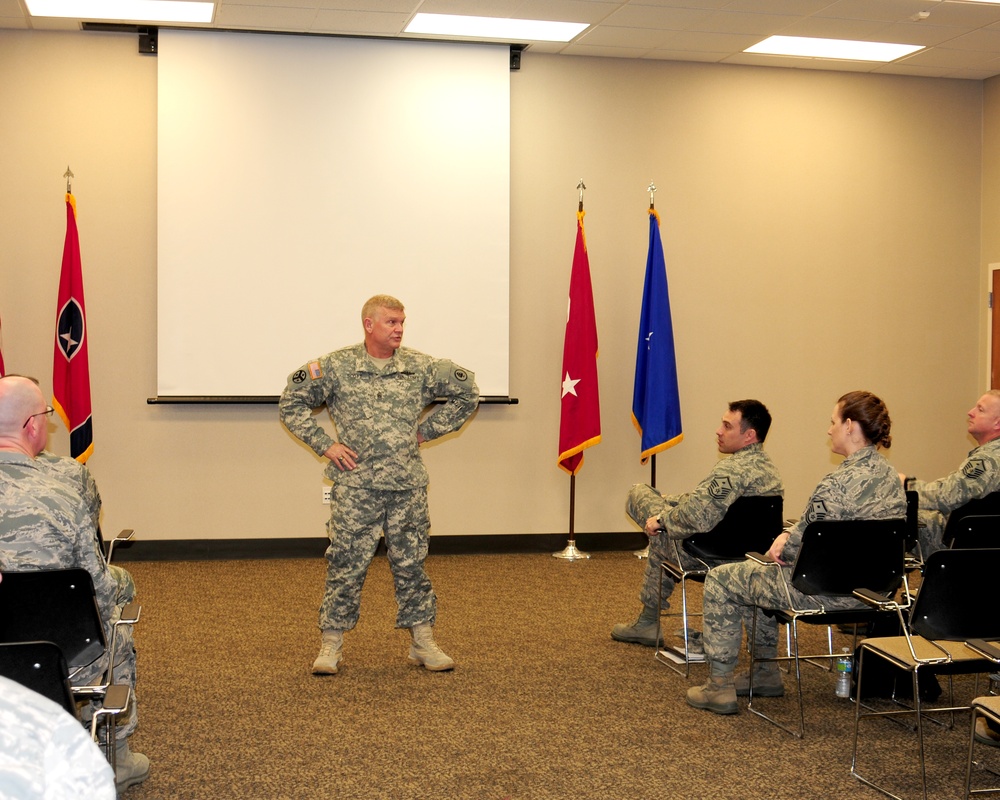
(298,376)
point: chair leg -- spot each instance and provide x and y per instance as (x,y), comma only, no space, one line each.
(792,656)
(667,654)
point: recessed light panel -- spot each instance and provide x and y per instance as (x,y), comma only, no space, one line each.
(842,49)
(517,30)
(124,10)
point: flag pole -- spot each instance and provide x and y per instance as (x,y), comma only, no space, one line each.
(570,551)
(644,553)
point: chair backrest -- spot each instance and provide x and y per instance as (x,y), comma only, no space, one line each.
(54,605)
(977,531)
(912,519)
(957,596)
(41,667)
(839,556)
(988,506)
(750,523)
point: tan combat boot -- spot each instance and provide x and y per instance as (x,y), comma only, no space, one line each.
(424,650)
(130,768)
(718,695)
(330,654)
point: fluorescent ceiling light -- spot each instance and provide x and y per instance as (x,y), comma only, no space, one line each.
(843,49)
(495,28)
(130,10)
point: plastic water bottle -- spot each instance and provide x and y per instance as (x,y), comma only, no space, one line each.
(844,666)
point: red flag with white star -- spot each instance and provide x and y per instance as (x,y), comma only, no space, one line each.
(70,364)
(580,416)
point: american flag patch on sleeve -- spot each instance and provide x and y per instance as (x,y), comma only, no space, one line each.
(315,371)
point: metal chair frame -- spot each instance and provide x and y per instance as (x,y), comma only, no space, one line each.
(750,523)
(828,565)
(60,606)
(982,708)
(954,606)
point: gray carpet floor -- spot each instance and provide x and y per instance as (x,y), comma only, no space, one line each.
(542,704)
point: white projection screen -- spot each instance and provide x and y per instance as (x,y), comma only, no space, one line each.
(300,175)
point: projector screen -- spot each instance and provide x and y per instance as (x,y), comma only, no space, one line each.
(299,175)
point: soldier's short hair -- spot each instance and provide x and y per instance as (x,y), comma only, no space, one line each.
(379,301)
(754,415)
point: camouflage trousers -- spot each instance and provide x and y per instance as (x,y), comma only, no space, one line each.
(358,518)
(930,531)
(126,586)
(732,591)
(123,674)
(644,502)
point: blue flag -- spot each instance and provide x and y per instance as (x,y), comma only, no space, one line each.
(656,405)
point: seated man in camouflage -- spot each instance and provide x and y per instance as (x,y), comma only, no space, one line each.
(748,471)
(80,479)
(978,476)
(45,524)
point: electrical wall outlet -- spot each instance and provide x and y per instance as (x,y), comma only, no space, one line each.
(328,494)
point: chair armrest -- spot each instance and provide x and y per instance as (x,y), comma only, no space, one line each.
(124,535)
(762,558)
(130,614)
(876,600)
(986,649)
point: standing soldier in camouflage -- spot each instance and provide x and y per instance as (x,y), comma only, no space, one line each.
(45,524)
(978,475)
(748,471)
(864,486)
(376,392)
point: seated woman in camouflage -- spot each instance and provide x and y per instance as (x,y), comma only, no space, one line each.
(864,486)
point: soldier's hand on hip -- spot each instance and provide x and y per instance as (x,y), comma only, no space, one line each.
(341,455)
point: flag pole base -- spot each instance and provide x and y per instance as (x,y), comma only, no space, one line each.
(570,553)
(644,553)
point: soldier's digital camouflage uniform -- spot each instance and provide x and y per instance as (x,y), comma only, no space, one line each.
(377,412)
(978,475)
(747,472)
(45,754)
(80,477)
(44,524)
(864,486)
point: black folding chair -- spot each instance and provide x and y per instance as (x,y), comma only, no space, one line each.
(42,668)
(974,532)
(836,558)
(750,523)
(956,603)
(988,506)
(60,606)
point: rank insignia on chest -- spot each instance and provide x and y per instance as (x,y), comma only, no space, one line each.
(315,370)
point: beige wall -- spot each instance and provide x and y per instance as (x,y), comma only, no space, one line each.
(822,234)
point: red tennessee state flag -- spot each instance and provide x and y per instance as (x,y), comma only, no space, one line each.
(580,417)
(70,366)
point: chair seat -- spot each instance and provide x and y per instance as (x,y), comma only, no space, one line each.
(896,650)
(847,616)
